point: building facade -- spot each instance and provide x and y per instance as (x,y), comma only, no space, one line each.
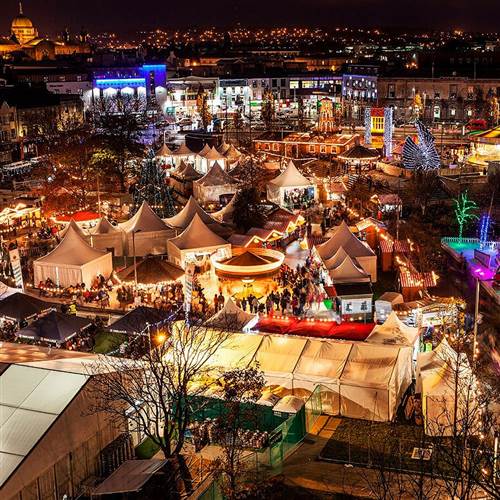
(446,100)
(8,131)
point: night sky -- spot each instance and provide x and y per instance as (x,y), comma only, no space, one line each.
(124,16)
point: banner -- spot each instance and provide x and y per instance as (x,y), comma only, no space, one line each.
(188,289)
(15,262)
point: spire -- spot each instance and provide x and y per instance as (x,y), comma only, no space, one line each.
(21,8)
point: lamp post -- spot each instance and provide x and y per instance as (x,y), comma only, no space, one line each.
(135,257)
(478,273)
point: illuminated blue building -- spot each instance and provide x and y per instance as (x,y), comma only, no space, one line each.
(147,81)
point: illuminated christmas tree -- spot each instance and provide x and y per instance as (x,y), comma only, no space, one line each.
(152,188)
(464,212)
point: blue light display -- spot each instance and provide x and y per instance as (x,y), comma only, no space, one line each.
(484,228)
(120,82)
(368,125)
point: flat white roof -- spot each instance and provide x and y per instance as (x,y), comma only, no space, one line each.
(31,399)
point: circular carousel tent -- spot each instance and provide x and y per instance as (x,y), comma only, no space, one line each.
(249,264)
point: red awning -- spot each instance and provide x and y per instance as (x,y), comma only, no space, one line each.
(82,216)
(316,328)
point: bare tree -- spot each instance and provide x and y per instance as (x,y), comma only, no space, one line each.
(153,391)
(117,124)
(240,390)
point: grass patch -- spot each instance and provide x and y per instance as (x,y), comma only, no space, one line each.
(147,449)
(106,342)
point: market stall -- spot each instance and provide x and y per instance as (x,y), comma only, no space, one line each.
(232,318)
(105,236)
(145,233)
(214,184)
(445,381)
(183,153)
(291,188)
(73,261)
(182,179)
(208,157)
(361,253)
(383,305)
(54,327)
(165,156)
(151,270)
(20,307)
(181,220)
(196,244)
(138,321)
(374,380)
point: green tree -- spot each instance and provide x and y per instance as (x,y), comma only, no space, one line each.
(151,188)
(464,212)
(247,209)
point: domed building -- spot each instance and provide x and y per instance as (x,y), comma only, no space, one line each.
(22,29)
(24,40)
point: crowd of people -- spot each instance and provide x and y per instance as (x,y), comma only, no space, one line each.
(98,294)
(164,296)
(297,291)
(299,198)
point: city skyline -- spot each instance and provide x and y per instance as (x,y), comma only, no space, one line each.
(54,15)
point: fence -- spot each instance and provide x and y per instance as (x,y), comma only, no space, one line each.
(286,438)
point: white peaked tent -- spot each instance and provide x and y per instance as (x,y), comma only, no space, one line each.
(183,153)
(225,214)
(75,226)
(288,180)
(182,220)
(231,317)
(322,362)
(213,184)
(374,380)
(446,383)
(222,149)
(165,154)
(196,242)
(178,171)
(232,155)
(336,259)
(204,150)
(147,232)
(183,177)
(343,237)
(277,358)
(105,236)
(73,261)
(393,331)
(209,158)
(348,272)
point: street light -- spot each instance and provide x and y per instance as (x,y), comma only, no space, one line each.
(135,258)
(478,273)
